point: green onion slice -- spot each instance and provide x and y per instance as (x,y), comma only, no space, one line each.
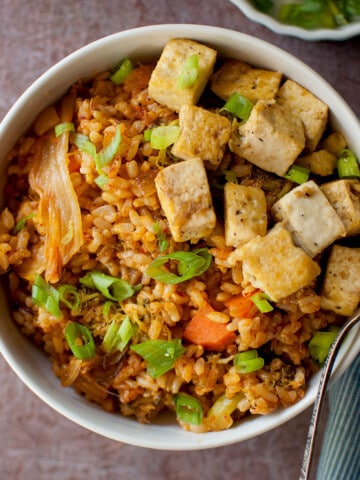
(46,296)
(164,136)
(320,344)
(107,154)
(261,300)
(160,355)
(101,181)
(83,143)
(347,164)
(113,288)
(69,295)
(80,340)
(118,335)
(21,223)
(190,264)
(60,128)
(249,361)
(223,407)
(189,72)
(239,106)
(297,174)
(122,71)
(188,409)
(160,234)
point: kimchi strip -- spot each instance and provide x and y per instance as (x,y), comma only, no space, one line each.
(59,211)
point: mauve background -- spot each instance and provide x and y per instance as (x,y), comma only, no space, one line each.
(36,443)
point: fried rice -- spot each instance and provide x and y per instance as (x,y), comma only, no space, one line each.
(119,239)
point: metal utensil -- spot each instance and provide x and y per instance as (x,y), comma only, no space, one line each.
(320,397)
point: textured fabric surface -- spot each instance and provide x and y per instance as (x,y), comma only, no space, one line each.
(36,442)
(340,454)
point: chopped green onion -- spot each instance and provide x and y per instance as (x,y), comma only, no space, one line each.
(164,136)
(107,154)
(189,72)
(69,296)
(190,264)
(147,134)
(246,362)
(122,71)
(347,164)
(297,174)
(188,409)
(160,234)
(118,335)
(83,143)
(101,181)
(160,355)
(64,127)
(239,106)
(320,344)
(113,288)
(261,300)
(80,340)
(21,223)
(107,307)
(223,407)
(46,296)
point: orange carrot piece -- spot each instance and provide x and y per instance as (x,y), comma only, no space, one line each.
(203,331)
(240,306)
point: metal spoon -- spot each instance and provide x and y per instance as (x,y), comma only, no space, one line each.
(321,395)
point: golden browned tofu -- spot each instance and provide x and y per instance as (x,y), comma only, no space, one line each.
(309,216)
(303,104)
(185,198)
(204,135)
(245,213)
(272,138)
(341,287)
(274,264)
(163,82)
(344,196)
(253,83)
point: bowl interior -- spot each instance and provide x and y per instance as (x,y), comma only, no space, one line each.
(140,44)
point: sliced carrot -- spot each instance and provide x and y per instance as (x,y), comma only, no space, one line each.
(203,331)
(240,306)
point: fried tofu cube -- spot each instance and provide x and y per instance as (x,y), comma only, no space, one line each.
(163,82)
(245,213)
(344,196)
(253,83)
(185,198)
(203,134)
(272,138)
(274,264)
(303,104)
(341,287)
(308,215)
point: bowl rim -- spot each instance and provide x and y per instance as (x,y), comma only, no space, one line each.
(341,33)
(46,389)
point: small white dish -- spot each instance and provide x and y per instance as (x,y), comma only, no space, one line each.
(270,21)
(28,362)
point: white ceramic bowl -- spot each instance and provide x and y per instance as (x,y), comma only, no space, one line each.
(270,21)
(30,364)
